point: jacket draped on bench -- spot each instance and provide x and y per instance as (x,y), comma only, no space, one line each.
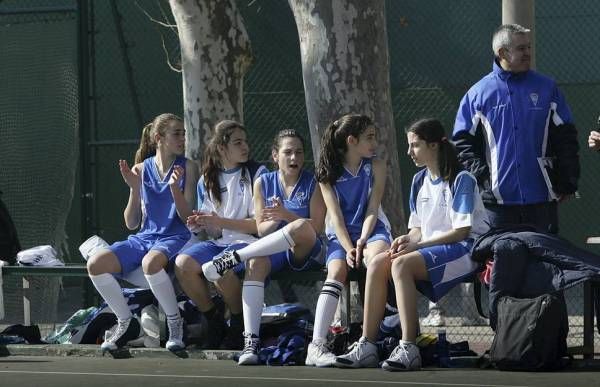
(528,264)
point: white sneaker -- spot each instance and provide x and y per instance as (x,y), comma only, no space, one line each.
(363,355)
(214,270)
(249,355)
(125,330)
(405,357)
(175,342)
(319,355)
(434,319)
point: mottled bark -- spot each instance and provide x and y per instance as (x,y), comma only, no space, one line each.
(521,12)
(345,65)
(215,54)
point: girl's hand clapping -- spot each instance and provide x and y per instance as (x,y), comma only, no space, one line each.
(132,179)
(176,176)
(276,212)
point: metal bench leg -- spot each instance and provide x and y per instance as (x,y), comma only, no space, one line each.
(588,321)
(162,324)
(342,312)
(346,313)
(26,303)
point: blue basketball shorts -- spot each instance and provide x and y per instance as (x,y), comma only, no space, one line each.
(336,251)
(131,251)
(447,266)
(285,259)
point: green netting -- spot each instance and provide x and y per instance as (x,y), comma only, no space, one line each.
(39,147)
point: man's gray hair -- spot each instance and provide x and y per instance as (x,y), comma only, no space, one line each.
(502,37)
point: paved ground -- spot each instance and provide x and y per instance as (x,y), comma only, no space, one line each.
(55,371)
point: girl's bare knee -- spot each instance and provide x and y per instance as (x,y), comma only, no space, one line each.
(337,272)
(299,228)
(93,266)
(99,264)
(399,266)
(257,269)
(185,265)
(379,265)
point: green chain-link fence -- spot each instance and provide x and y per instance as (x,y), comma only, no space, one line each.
(438,49)
(39,134)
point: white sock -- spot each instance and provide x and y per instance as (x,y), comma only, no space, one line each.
(326,305)
(253,297)
(161,286)
(276,242)
(110,290)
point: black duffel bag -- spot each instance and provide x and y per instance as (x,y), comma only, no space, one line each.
(531,334)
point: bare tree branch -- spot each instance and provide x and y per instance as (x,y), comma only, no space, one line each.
(166,17)
(153,19)
(162,39)
(172,27)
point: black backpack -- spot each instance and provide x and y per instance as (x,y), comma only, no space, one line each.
(9,242)
(531,334)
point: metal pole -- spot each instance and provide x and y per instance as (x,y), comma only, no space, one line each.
(521,12)
(127,63)
(93,132)
(84,121)
(85,33)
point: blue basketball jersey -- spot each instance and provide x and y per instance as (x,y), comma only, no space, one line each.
(299,200)
(159,214)
(353,193)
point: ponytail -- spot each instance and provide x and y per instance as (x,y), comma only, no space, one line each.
(147,145)
(330,161)
(334,146)
(210,170)
(448,161)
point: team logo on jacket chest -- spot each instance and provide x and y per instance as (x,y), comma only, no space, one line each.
(534,97)
(368,169)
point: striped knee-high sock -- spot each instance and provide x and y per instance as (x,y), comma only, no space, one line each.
(326,305)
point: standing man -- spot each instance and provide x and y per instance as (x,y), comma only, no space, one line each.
(514,132)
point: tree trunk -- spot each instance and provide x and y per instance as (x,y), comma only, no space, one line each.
(521,12)
(345,66)
(215,54)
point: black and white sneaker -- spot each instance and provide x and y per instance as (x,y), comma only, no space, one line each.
(175,342)
(226,260)
(363,355)
(124,331)
(405,357)
(249,355)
